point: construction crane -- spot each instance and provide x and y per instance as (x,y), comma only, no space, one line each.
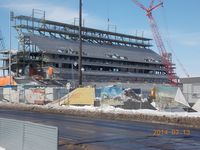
(158,39)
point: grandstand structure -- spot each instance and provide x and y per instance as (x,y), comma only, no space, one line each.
(106,57)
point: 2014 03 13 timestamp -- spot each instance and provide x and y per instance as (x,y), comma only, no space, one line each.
(159,132)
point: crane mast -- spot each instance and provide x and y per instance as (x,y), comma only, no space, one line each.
(158,39)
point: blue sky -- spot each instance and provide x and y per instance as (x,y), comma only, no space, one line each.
(178,21)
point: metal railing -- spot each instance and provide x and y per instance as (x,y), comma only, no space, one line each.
(21,135)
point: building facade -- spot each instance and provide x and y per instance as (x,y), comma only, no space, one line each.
(107,56)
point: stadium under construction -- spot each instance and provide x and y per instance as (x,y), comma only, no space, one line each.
(48,53)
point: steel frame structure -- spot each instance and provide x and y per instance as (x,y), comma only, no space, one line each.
(24,24)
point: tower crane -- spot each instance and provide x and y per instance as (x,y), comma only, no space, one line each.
(158,39)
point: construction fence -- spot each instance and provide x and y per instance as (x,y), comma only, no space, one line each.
(32,94)
(113,95)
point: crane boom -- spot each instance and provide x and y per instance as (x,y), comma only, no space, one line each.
(158,39)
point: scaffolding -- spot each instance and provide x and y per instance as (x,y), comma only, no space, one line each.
(3,55)
(43,27)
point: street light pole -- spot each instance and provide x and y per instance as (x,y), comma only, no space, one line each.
(80,44)
(72,74)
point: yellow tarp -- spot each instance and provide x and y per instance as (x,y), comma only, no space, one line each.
(7,80)
(81,96)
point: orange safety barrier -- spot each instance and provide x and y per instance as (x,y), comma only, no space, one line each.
(7,80)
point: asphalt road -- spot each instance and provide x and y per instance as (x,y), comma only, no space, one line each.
(84,133)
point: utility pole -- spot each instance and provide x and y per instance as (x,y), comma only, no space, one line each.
(80,44)
(10,44)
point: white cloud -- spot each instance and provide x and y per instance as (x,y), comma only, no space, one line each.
(189,39)
(21,6)
(54,12)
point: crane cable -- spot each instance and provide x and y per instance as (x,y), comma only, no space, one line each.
(168,42)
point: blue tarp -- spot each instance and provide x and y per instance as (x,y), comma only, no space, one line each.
(9,86)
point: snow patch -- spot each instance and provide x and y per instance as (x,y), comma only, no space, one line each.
(113,110)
